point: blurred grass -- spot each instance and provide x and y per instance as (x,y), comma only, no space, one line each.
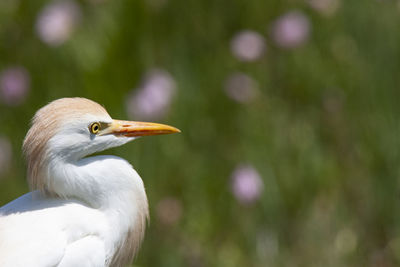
(323,132)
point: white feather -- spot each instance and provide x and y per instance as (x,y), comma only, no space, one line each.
(93,223)
(88,211)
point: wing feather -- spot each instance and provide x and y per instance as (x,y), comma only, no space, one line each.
(41,233)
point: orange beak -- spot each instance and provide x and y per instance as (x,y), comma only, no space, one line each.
(137,128)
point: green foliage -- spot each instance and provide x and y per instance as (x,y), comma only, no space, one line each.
(322,132)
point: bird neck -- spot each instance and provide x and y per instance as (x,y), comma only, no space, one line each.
(110,184)
(100,181)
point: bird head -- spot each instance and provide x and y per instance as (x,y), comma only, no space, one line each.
(69,129)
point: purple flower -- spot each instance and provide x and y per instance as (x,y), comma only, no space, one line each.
(14,85)
(241,87)
(247,184)
(248,45)
(153,98)
(57,21)
(291,30)
(5,155)
(169,210)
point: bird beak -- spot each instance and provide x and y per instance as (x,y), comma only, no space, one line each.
(137,128)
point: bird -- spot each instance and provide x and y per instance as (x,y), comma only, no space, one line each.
(82,210)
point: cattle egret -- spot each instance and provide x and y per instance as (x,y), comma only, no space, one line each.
(82,211)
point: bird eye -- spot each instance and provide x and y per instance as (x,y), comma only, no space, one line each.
(94,127)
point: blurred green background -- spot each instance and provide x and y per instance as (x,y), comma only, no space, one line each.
(288,154)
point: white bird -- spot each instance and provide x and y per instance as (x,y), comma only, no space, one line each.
(82,211)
